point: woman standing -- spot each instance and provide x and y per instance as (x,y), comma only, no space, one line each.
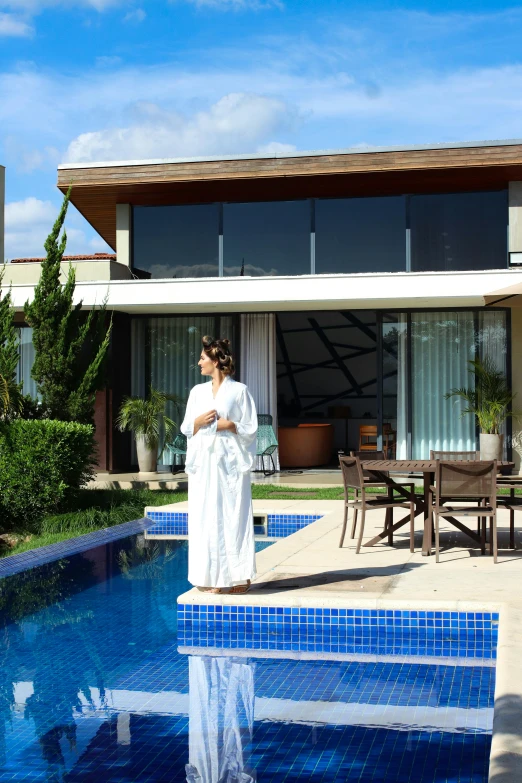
(221,426)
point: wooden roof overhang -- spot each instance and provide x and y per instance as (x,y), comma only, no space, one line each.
(97,189)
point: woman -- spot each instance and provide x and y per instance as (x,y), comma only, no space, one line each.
(221,426)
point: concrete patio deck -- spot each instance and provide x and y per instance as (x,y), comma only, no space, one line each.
(305,478)
(309,569)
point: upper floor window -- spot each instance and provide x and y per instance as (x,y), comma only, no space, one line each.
(425,233)
(266,238)
(459,231)
(360,235)
(180,241)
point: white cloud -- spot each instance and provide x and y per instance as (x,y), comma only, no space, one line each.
(135,17)
(276,146)
(108,61)
(27,159)
(36,6)
(235,5)
(13,26)
(235,123)
(28,223)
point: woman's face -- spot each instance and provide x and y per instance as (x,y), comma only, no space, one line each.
(206,364)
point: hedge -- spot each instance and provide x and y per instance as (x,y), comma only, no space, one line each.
(41,462)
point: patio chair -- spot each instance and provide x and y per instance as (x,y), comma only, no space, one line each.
(463,482)
(369,477)
(368,438)
(512,502)
(455,455)
(266,441)
(353,478)
(178,447)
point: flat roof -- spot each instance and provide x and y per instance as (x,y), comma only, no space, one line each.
(360,150)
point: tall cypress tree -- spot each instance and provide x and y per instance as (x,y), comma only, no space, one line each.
(70,346)
(10,390)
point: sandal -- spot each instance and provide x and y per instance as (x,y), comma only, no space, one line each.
(240,589)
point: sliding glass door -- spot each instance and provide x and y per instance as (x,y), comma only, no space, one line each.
(423,356)
(165,355)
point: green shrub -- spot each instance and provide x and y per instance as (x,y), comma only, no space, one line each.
(41,463)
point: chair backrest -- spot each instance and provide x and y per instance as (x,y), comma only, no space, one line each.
(367,454)
(368,430)
(455,455)
(352,473)
(473,479)
(266,437)
(179,444)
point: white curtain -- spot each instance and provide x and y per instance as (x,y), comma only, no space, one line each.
(442,345)
(165,354)
(258,365)
(25,362)
(402,387)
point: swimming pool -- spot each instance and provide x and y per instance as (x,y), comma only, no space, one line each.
(93,687)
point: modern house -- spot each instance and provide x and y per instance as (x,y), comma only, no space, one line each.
(356,285)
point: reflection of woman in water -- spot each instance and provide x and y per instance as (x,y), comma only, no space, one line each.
(221,720)
(221,425)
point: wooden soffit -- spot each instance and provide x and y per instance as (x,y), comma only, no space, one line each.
(97,189)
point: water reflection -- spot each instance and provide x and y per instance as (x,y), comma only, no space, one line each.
(70,632)
(221,720)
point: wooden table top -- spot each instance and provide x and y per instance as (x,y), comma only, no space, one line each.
(411,465)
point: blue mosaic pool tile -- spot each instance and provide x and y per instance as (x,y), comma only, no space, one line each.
(175,523)
(355,631)
(15,564)
(168,523)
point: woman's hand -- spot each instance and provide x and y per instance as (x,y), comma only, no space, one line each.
(204,420)
(225,425)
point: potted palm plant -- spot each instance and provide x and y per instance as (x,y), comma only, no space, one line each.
(11,401)
(148,420)
(489,400)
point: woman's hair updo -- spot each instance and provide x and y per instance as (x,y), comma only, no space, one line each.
(219,351)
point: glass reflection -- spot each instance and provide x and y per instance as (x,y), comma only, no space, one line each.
(267,238)
(360,235)
(177,241)
(459,231)
(221,720)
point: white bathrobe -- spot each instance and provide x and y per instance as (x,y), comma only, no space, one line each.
(221,720)
(220,520)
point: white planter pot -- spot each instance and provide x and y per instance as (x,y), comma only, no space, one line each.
(491,446)
(147,458)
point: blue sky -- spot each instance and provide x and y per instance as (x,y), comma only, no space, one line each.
(87,80)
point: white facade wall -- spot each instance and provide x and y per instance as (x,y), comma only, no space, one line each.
(2,214)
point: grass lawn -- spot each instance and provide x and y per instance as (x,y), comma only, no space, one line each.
(93,509)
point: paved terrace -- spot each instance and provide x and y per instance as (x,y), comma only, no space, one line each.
(290,478)
(309,569)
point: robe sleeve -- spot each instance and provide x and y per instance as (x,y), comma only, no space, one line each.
(187,427)
(247,425)
(191,414)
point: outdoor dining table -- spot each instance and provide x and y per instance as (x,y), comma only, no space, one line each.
(379,468)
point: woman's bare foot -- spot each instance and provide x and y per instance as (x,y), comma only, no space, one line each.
(213,590)
(239,589)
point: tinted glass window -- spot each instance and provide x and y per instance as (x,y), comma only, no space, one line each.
(267,238)
(459,231)
(180,241)
(360,235)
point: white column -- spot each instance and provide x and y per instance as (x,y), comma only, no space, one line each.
(2,207)
(515,222)
(123,234)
